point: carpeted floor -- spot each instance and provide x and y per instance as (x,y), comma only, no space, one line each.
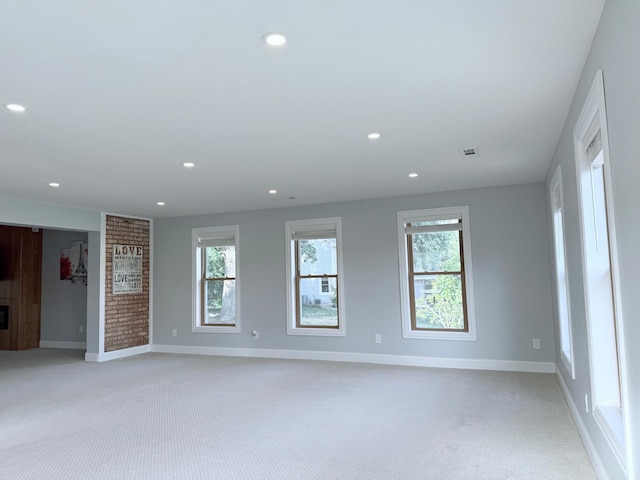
(158,416)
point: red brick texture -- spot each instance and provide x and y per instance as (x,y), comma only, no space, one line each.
(126,315)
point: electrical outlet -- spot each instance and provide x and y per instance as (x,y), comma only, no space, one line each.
(378,338)
(536,344)
(174,332)
(80,328)
(256,334)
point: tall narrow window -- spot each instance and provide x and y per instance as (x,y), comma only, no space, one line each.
(215,288)
(435,263)
(562,284)
(314,287)
(599,256)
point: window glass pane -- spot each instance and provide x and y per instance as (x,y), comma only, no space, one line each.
(436,252)
(446,221)
(563,309)
(220,262)
(220,302)
(318,257)
(318,309)
(438,301)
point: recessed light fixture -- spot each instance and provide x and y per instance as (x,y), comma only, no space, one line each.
(273,191)
(14,107)
(413,175)
(161,204)
(374,136)
(274,39)
(54,184)
(188,164)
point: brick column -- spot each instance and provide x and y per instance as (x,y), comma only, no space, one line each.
(126,315)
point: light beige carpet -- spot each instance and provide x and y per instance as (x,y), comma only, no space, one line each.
(160,416)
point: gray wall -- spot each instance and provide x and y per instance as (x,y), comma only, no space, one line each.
(510,265)
(36,214)
(64,305)
(615,50)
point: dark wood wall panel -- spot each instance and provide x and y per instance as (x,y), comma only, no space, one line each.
(20,286)
(10,238)
(30,289)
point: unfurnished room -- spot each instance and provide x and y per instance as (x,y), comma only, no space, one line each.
(319,240)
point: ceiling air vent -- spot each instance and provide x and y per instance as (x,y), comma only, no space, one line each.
(469,152)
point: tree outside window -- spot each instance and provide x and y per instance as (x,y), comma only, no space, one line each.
(435,266)
(219,284)
(437,300)
(215,282)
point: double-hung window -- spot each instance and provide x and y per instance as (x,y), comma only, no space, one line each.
(435,272)
(600,262)
(215,288)
(314,277)
(562,283)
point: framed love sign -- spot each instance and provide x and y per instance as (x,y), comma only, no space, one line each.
(127,269)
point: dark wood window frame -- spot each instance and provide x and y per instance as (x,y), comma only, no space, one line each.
(413,275)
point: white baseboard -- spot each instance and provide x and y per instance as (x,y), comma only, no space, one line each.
(91,357)
(582,429)
(125,352)
(461,363)
(66,345)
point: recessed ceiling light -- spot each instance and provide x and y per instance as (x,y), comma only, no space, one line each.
(14,107)
(374,136)
(188,164)
(160,204)
(54,185)
(413,175)
(274,39)
(273,191)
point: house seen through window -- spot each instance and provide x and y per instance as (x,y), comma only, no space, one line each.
(314,286)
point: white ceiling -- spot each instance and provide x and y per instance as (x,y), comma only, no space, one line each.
(120,93)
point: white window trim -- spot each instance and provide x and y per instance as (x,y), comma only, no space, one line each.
(610,418)
(292,329)
(556,186)
(211,232)
(447,212)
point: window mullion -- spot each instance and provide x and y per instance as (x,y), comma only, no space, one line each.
(443,272)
